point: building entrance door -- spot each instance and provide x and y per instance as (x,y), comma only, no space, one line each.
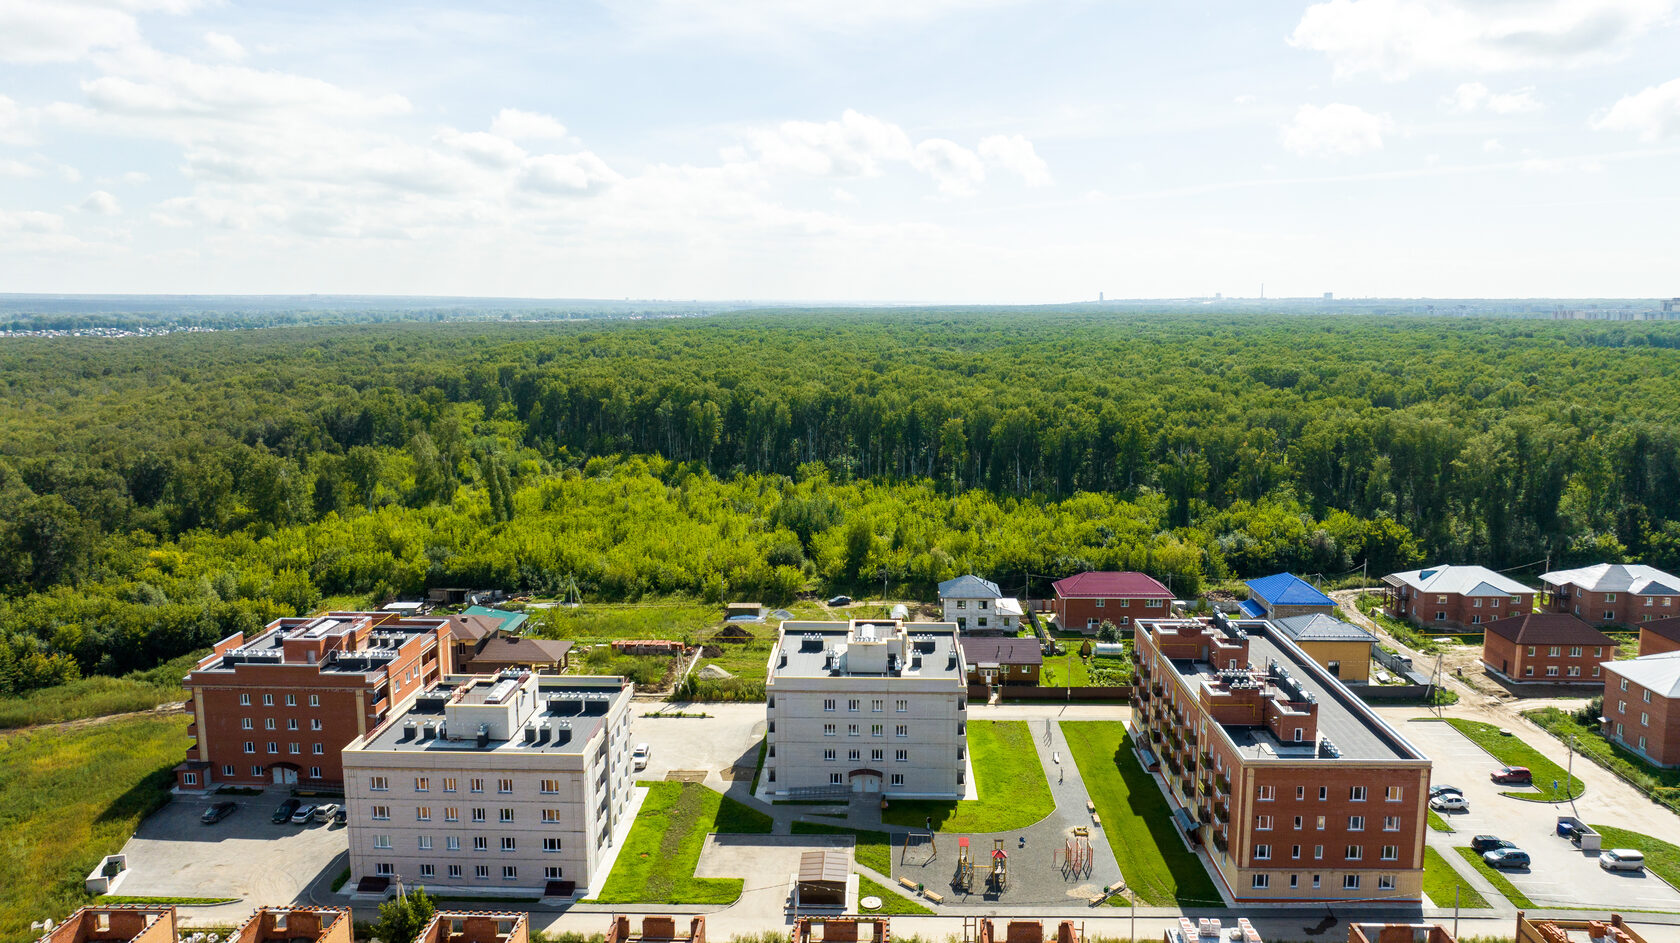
(284,776)
(865,781)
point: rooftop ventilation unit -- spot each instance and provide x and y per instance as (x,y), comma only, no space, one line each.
(483,736)
(530,734)
(408,731)
(810,643)
(562,732)
(1328,749)
(428,730)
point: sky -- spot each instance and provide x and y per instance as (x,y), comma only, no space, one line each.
(864,150)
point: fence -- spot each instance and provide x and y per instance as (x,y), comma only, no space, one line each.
(1028,692)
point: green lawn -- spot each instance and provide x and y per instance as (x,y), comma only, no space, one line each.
(70,797)
(1007,775)
(99,695)
(1439,824)
(1440,882)
(682,620)
(1663,785)
(1516,897)
(874,849)
(656,865)
(1661,858)
(1064,671)
(1513,751)
(891,903)
(1136,818)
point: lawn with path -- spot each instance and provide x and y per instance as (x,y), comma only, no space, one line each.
(874,849)
(1500,881)
(656,864)
(892,903)
(1513,751)
(1136,819)
(1663,785)
(1445,886)
(1007,775)
(1439,824)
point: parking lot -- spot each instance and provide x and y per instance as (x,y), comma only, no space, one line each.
(1561,875)
(245,855)
(717,744)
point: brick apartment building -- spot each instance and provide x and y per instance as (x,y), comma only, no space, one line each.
(1299,790)
(1660,636)
(1642,706)
(1612,593)
(1085,601)
(154,924)
(1455,596)
(278,708)
(1546,647)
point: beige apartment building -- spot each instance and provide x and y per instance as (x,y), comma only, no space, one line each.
(867,706)
(508,783)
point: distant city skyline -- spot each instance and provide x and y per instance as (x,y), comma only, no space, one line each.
(947,151)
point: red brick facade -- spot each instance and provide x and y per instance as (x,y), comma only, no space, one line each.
(1641,720)
(1085,601)
(1658,637)
(283,715)
(1454,610)
(1609,608)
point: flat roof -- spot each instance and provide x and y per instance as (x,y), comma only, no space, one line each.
(382,644)
(807,646)
(1351,726)
(578,706)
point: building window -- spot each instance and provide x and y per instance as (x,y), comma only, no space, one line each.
(291,700)
(1391,852)
(1642,744)
(454,870)
(1644,719)
(379,783)
(227,769)
(1574,671)
(423,813)
(876,730)
(425,843)
(505,816)
(1624,684)
(549,786)
(504,786)
(481,843)
(1267,793)
(828,755)
(190,779)
(1321,823)
(828,704)
(268,700)
(854,756)
(481,871)
(1395,793)
(319,749)
(1318,852)
(1350,882)
(835,779)
(273,747)
(903,756)
(1294,851)
(381,841)
(1102,603)
(876,756)
(256,770)
(1531,651)
(1323,793)
(903,706)
(877,705)
(828,730)
(510,873)
(478,815)
(245,700)
(422,783)
(1385,882)
(384,868)
(1355,852)
(1645,696)
(245,724)
(1356,794)
(314,700)
(1391,823)
(901,731)
(250,746)
(1263,823)
(1575,651)
(551,844)
(475,785)
(451,814)
(268,723)
(448,784)
(851,730)
(1528,671)
(1262,881)
(1356,823)
(381,812)
(1300,791)
(1262,852)
(853,705)
(1297,823)
(452,842)
(509,843)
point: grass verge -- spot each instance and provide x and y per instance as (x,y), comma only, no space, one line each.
(67,799)
(1514,751)
(1516,897)
(1007,775)
(656,865)
(1136,819)
(892,903)
(1439,824)
(1441,883)
(1661,858)
(1662,785)
(873,851)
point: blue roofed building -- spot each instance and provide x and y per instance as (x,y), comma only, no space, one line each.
(1283,595)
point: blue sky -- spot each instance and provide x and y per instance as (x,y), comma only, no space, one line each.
(918,150)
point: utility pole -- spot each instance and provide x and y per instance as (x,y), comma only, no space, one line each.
(1456,889)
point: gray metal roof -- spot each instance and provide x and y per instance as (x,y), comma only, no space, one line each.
(1318,627)
(969,587)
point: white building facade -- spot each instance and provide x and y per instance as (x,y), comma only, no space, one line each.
(868,706)
(978,607)
(506,784)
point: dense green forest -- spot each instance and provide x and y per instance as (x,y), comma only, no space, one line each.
(161,492)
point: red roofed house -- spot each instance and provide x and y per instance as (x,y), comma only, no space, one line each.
(1546,646)
(1085,600)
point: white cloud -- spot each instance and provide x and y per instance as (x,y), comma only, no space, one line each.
(854,146)
(567,174)
(37,31)
(760,17)
(490,149)
(224,46)
(1653,113)
(1474,96)
(956,168)
(1395,38)
(519,125)
(102,203)
(1335,130)
(155,85)
(30,221)
(1492,146)
(1016,154)
(136,177)
(17,168)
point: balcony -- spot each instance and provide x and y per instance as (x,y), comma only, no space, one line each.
(1207,760)
(1190,737)
(1223,782)
(1222,813)
(1220,841)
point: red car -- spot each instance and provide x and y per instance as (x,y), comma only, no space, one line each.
(1513,776)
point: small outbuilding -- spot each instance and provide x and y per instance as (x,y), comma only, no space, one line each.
(822,879)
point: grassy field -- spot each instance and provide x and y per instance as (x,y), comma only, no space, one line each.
(1663,785)
(656,865)
(682,620)
(874,849)
(1007,775)
(1440,882)
(1513,751)
(1661,858)
(1136,819)
(1516,897)
(1064,671)
(1439,824)
(98,696)
(891,903)
(70,797)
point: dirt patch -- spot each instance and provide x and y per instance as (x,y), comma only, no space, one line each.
(686,776)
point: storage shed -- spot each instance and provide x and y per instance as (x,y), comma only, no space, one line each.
(822,879)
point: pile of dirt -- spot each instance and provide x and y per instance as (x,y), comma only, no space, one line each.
(714,673)
(711,651)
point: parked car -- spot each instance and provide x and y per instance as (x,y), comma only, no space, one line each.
(1449,802)
(1443,789)
(639,757)
(1486,843)
(840,601)
(326,811)
(341,816)
(283,814)
(1513,776)
(1506,858)
(1622,859)
(303,815)
(217,812)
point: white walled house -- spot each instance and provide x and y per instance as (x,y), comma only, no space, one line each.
(978,607)
(868,706)
(512,783)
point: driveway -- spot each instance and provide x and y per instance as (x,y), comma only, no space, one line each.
(1561,874)
(244,856)
(717,745)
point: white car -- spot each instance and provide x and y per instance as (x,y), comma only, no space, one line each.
(325,813)
(639,756)
(1449,802)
